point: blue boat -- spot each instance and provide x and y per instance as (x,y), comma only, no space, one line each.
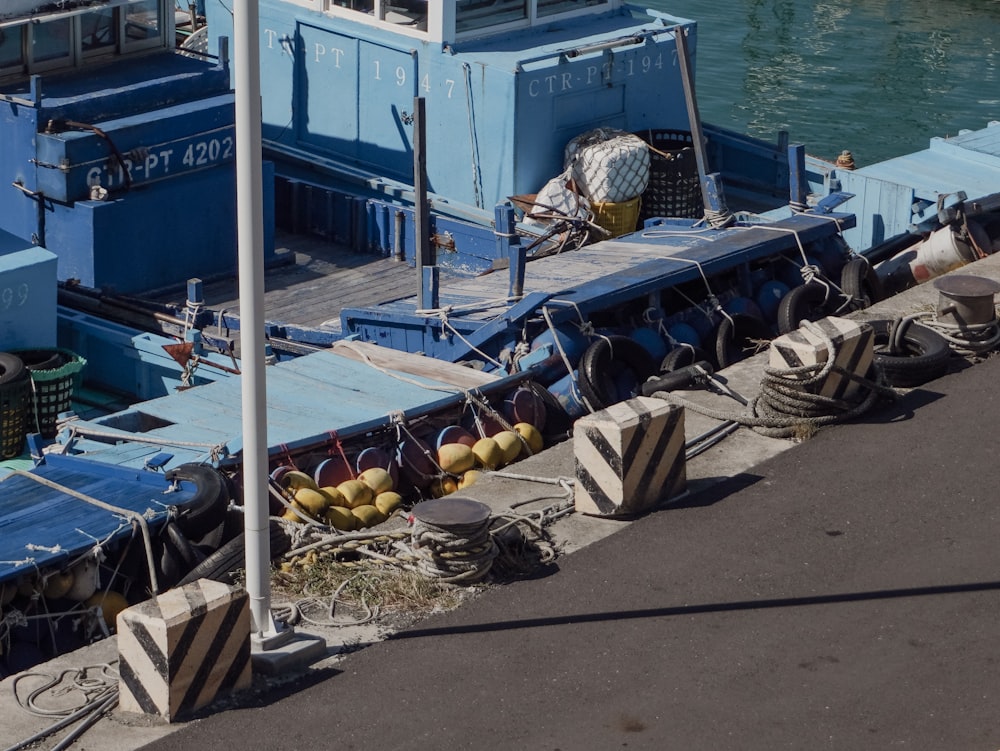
(390,324)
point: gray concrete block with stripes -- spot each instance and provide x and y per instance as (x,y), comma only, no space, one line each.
(629,457)
(854,342)
(181,650)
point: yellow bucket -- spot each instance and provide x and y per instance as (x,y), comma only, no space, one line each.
(618,218)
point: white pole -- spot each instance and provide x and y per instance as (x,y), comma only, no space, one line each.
(250,237)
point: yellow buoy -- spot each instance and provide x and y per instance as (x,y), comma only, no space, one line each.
(376,478)
(57,584)
(355,493)
(388,501)
(315,502)
(294,479)
(530,434)
(290,514)
(456,458)
(335,496)
(510,444)
(443,486)
(340,517)
(111,604)
(368,516)
(469,478)
(488,453)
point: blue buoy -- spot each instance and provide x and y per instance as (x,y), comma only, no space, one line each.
(742,306)
(567,393)
(684,333)
(650,341)
(769,298)
(571,340)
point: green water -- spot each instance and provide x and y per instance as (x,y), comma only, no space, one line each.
(877,77)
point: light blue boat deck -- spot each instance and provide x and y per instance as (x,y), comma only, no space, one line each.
(896,195)
(311,400)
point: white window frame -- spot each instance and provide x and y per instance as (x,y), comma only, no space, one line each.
(77,57)
(441,18)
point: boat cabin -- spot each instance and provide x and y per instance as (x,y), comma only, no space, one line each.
(118,150)
(507,84)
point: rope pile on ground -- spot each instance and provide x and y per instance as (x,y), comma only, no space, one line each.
(98,687)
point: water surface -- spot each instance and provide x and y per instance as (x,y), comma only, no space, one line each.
(877,77)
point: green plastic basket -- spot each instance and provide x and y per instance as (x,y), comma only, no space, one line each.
(55,376)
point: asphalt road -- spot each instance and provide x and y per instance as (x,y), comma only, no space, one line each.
(845,595)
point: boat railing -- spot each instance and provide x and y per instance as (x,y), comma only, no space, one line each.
(630,40)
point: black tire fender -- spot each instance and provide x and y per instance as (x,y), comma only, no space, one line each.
(12,368)
(681,356)
(735,337)
(925,354)
(220,565)
(605,360)
(206,510)
(860,284)
(805,302)
(177,555)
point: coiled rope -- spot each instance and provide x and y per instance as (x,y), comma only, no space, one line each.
(788,402)
(964,339)
(453,552)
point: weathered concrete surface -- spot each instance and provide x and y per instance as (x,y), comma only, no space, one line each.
(831,597)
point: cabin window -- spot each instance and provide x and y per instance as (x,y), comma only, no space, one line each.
(479,14)
(67,35)
(552,7)
(98,31)
(52,41)
(142,23)
(405,12)
(12,47)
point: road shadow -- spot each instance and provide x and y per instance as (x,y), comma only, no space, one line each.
(701,609)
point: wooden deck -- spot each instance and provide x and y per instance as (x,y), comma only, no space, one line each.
(316,281)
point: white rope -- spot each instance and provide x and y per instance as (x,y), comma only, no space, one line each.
(76,429)
(393,374)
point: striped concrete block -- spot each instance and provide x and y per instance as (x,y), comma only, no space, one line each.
(854,343)
(629,457)
(183,649)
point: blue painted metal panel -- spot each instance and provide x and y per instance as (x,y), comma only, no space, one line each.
(154,145)
(502,107)
(27,299)
(123,360)
(154,81)
(602,277)
(892,195)
(154,237)
(42,527)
